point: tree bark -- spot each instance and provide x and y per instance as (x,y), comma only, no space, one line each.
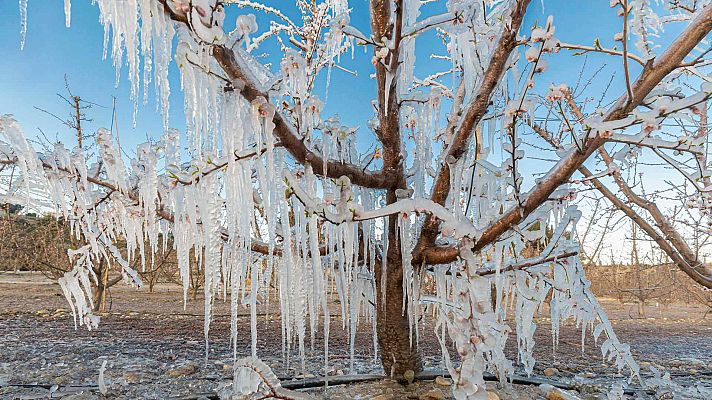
(99,296)
(104,282)
(394,333)
(396,341)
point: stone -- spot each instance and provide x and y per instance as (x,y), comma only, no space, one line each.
(553,393)
(551,371)
(185,370)
(80,396)
(558,395)
(434,394)
(442,381)
(131,377)
(409,375)
(62,380)
(383,397)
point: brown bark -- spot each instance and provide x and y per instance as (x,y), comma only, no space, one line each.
(394,333)
(104,282)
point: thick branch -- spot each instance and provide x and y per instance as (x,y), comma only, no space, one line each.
(686,264)
(288,137)
(388,108)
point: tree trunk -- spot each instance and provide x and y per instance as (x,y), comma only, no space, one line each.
(99,297)
(641,308)
(102,275)
(104,282)
(394,333)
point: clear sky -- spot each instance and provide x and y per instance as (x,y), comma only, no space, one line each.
(33,76)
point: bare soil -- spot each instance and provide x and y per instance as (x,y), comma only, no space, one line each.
(155,348)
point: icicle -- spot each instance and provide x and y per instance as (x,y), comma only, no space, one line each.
(210,210)
(67,12)
(407,54)
(76,287)
(254,278)
(102,384)
(23,23)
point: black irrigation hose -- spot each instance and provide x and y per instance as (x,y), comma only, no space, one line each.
(349,379)
(308,383)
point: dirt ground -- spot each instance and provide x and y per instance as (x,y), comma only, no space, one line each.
(155,349)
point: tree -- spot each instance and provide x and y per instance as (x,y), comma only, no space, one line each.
(262,162)
(40,243)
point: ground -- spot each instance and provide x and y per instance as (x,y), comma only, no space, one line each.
(155,349)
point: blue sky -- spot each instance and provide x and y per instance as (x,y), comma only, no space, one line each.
(33,76)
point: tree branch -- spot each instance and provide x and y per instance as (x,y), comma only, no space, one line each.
(652,75)
(237,71)
(474,113)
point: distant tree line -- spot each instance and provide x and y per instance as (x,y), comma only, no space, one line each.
(39,243)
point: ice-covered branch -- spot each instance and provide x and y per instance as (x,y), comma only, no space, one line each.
(643,139)
(599,125)
(473,114)
(262,7)
(346,211)
(599,49)
(132,196)
(240,74)
(562,171)
(531,262)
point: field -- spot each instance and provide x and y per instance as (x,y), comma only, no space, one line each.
(155,349)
